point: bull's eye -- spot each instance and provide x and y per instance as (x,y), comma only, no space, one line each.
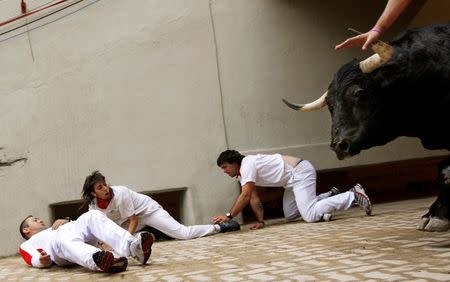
(358,92)
(354,92)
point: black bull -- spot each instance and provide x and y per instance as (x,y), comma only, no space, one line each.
(407,95)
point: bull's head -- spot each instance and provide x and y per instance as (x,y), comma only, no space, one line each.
(351,105)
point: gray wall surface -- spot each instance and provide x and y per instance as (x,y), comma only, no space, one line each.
(150,92)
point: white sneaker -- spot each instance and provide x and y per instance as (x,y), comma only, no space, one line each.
(361,198)
(327,217)
(358,188)
(141,247)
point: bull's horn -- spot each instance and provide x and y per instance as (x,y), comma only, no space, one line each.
(383,53)
(317,104)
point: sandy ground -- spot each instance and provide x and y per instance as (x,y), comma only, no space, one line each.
(353,247)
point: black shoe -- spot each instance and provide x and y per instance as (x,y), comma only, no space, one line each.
(229,226)
(107,263)
(334,191)
(159,236)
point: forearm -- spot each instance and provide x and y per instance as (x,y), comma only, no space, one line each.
(257,207)
(240,204)
(133,224)
(132,228)
(393,9)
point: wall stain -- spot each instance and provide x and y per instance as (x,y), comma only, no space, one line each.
(11,162)
(5,163)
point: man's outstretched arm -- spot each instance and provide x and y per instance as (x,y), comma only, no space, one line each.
(391,12)
(239,205)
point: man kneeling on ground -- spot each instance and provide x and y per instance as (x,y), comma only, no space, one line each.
(297,176)
(66,243)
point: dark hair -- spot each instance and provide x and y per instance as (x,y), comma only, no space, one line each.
(88,187)
(24,224)
(229,156)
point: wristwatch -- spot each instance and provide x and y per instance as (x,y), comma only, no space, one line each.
(228,214)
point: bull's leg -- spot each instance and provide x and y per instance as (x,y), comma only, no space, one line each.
(424,220)
(437,224)
(437,218)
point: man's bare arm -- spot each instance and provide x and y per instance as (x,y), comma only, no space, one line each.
(391,12)
(258,210)
(133,224)
(243,199)
(393,9)
(239,205)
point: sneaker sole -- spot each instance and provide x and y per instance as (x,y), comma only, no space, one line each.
(146,244)
(367,209)
(119,265)
(106,261)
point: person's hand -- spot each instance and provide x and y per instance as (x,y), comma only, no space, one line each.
(365,40)
(258,225)
(219,219)
(45,259)
(104,247)
(58,223)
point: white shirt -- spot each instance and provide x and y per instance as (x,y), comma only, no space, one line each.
(265,170)
(126,203)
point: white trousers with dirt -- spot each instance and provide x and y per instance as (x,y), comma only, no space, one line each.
(70,241)
(300,198)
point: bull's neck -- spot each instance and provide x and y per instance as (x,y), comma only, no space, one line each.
(402,115)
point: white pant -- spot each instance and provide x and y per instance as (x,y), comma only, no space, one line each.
(70,244)
(161,220)
(301,199)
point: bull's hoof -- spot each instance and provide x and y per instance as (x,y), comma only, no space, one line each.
(437,225)
(422,223)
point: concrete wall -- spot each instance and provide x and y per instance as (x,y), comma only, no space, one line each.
(432,12)
(150,92)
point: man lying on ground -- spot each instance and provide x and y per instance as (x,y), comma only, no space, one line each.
(66,243)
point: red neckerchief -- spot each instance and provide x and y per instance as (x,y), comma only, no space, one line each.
(103,204)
